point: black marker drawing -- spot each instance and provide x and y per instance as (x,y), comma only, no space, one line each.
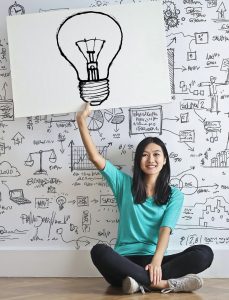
(36,237)
(221,13)
(126,1)
(4,57)
(90,41)
(29,162)
(216,214)
(96,120)
(192,104)
(42,203)
(114,116)
(18,138)
(145,120)
(99,3)
(16,9)
(124,148)
(194,11)
(212,84)
(74,228)
(86,221)
(184,117)
(79,158)
(225,67)
(84,241)
(17,196)
(189,184)
(82,201)
(212,127)
(3,95)
(171,66)
(6,110)
(220,160)
(3,148)
(201,38)
(7,170)
(61,139)
(2,230)
(170,14)
(212,213)
(211,3)
(107,200)
(187,136)
(15,234)
(61,121)
(41,10)
(61,200)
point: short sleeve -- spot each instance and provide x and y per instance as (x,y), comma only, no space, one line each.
(114,178)
(173,209)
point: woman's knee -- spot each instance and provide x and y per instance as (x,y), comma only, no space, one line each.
(97,251)
(209,254)
(206,255)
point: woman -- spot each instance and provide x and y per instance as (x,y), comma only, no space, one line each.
(149,209)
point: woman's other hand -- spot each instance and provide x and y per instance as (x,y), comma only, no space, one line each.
(155,273)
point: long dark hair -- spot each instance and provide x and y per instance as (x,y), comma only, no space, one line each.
(162,188)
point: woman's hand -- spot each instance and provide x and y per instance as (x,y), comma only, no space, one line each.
(155,272)
(84,113)
(154,267)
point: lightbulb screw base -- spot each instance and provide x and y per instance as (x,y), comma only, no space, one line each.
(94,92)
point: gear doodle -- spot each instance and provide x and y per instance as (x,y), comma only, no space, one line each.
(170,14)
(99,3)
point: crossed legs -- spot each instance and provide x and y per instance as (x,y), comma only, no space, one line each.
(114,267)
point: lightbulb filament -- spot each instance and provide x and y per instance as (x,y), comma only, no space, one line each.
(90,49)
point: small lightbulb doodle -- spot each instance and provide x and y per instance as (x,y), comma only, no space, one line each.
(90,41)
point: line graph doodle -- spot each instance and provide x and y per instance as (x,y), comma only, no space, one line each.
(79,158)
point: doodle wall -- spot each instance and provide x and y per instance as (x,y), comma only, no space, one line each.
(51,197)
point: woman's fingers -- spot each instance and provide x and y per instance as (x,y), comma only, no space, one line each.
(155,274)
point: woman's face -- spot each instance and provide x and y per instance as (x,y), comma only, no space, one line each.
(152,160)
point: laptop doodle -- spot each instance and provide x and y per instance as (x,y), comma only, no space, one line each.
(17,196)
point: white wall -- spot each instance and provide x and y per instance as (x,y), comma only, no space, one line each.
(70,208)
(69,263)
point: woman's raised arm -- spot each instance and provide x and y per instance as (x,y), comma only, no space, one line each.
(94,156)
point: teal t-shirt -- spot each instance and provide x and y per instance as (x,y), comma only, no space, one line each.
(139,224)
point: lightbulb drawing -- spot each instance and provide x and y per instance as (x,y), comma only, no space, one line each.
(90,41)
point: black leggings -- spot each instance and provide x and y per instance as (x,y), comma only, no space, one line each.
(115,267)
